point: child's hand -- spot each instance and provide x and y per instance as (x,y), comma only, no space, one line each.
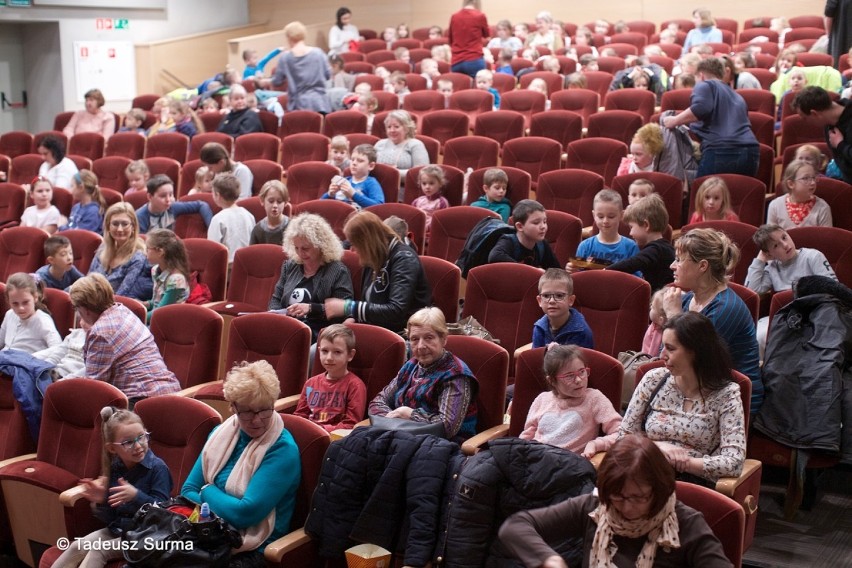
(763,257)
(570,268)
(590,450)
(94,489)
(122,493)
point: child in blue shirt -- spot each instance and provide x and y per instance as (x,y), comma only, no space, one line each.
(607,247)
(359,189)
(485,82)
(161,210)
(59,272)
(561,323)
(88,212)
(255,66)
(495,183)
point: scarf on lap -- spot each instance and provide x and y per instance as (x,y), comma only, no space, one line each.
(216,454)
(661,530)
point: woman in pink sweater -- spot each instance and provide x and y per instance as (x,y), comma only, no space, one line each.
(571,415)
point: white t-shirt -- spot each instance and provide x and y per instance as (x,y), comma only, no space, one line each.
(40,218)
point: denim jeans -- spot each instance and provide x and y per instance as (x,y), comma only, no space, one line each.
(469,67)
(742,160)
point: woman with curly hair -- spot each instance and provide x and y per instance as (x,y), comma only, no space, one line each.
(312,272)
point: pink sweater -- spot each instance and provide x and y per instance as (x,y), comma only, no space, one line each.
(102,123)
(572,423)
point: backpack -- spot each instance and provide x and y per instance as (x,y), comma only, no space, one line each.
(678,155)
(482,238)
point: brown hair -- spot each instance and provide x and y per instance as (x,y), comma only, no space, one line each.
(557,356)
(651,209)
(32,284)
(93,292)
(336,330)
(227,186)
(174,252)
(713,246)
(370,237)
(638,459)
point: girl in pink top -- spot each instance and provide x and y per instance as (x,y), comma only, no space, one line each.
(432,183)
(713,202)
(571,415)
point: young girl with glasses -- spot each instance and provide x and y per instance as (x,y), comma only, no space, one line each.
(132,476)
(800,207)
(571,415)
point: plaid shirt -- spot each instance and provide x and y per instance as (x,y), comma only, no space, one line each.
(120,350)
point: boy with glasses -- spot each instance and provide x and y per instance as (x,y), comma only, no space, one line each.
(561,323)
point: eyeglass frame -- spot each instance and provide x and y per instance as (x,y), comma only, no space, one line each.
(249,415)
(634,499)
(574,375)
(554,296)
(142,439)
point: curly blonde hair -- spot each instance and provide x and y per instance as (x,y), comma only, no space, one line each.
(252,385)
(316,231)
(650,137)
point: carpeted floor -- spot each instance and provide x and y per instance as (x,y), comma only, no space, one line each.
(819,538)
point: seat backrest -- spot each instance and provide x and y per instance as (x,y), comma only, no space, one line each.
(70,436)
(615,124)
(110,172)
(84,244)
(564,233)
(312,441)
(61,310)
(637,100)
(615,305)
(723,515)
(24,168)
(179,428)
(471,152)
(210,260)
(12,202)
(834,243)
(414,217)
(741,234)
(525,102)
(189,338)
(584,102)
(606,376)
(199,140)
(15,438)
(309,180)
(21,250)
(192,225)
(254,273)
(256,146)
(127,144)
(502,297)
(444,125)
(564,126)
(16,143)
(450,228)
(571,190)
(676,100)
(489,363)
(344,122)
(262,171)
(333,211)
(533,154)
(445,280)
(500,125)
(296,121)
(282,341)
(88,144)
(599,155)
(303,147)
(748,196)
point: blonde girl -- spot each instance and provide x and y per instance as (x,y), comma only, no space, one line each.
(270,230)
(812,155)
(27,325)
(338,152)
(88,212)
(800,207)
(185,119)
(785,61)
(169,269)
(432,182)
(203,181)
(571,401)
(42,214)
(164,123)
(126,457)
(713,202)
(137,174)
(539,85)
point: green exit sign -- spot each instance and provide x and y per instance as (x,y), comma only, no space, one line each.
(111,24)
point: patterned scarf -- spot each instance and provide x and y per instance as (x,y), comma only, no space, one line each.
(798,211)
(661,530)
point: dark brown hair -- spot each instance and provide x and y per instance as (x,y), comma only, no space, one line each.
(638,459)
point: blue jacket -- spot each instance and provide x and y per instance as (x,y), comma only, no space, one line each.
(87,217)
(30,378)
(176,209)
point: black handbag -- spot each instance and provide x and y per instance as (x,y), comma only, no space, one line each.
(410,426)
(162,537)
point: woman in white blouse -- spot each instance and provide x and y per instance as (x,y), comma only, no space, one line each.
(691,408)
(342,32)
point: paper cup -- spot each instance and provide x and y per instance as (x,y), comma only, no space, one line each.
(367,556)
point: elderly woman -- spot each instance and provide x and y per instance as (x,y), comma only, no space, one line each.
(434,385)
(394,284)
(92,119)
(401,149)
(249,469)
(703,259)
(312,272)
(122,257)
(119,348)
(634,519)
(705,30)
(240,119)
(217,158)
(691,408)
(544,34)
(306,70)
(56,167)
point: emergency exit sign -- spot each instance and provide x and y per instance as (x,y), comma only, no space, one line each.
(111,24)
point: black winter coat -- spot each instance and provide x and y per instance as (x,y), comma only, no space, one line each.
(509,476)
(807,376)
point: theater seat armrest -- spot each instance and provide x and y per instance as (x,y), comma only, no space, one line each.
(597,459)
(69,497)
(475,443)
(521,349)
(728,485)
(16,459)
(276,550)
(287,404)
(189,392)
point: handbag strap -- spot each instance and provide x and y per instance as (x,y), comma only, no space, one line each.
(651,399)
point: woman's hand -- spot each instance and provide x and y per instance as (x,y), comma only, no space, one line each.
(672,301)
(94,489)
(677,456)
(333,308)
(122,493)
(554,562)
(403,412)
(298,310)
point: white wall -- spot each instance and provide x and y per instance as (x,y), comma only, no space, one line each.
(41,56)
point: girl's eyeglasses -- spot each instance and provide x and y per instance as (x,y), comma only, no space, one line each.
(574,375)
(141,439)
